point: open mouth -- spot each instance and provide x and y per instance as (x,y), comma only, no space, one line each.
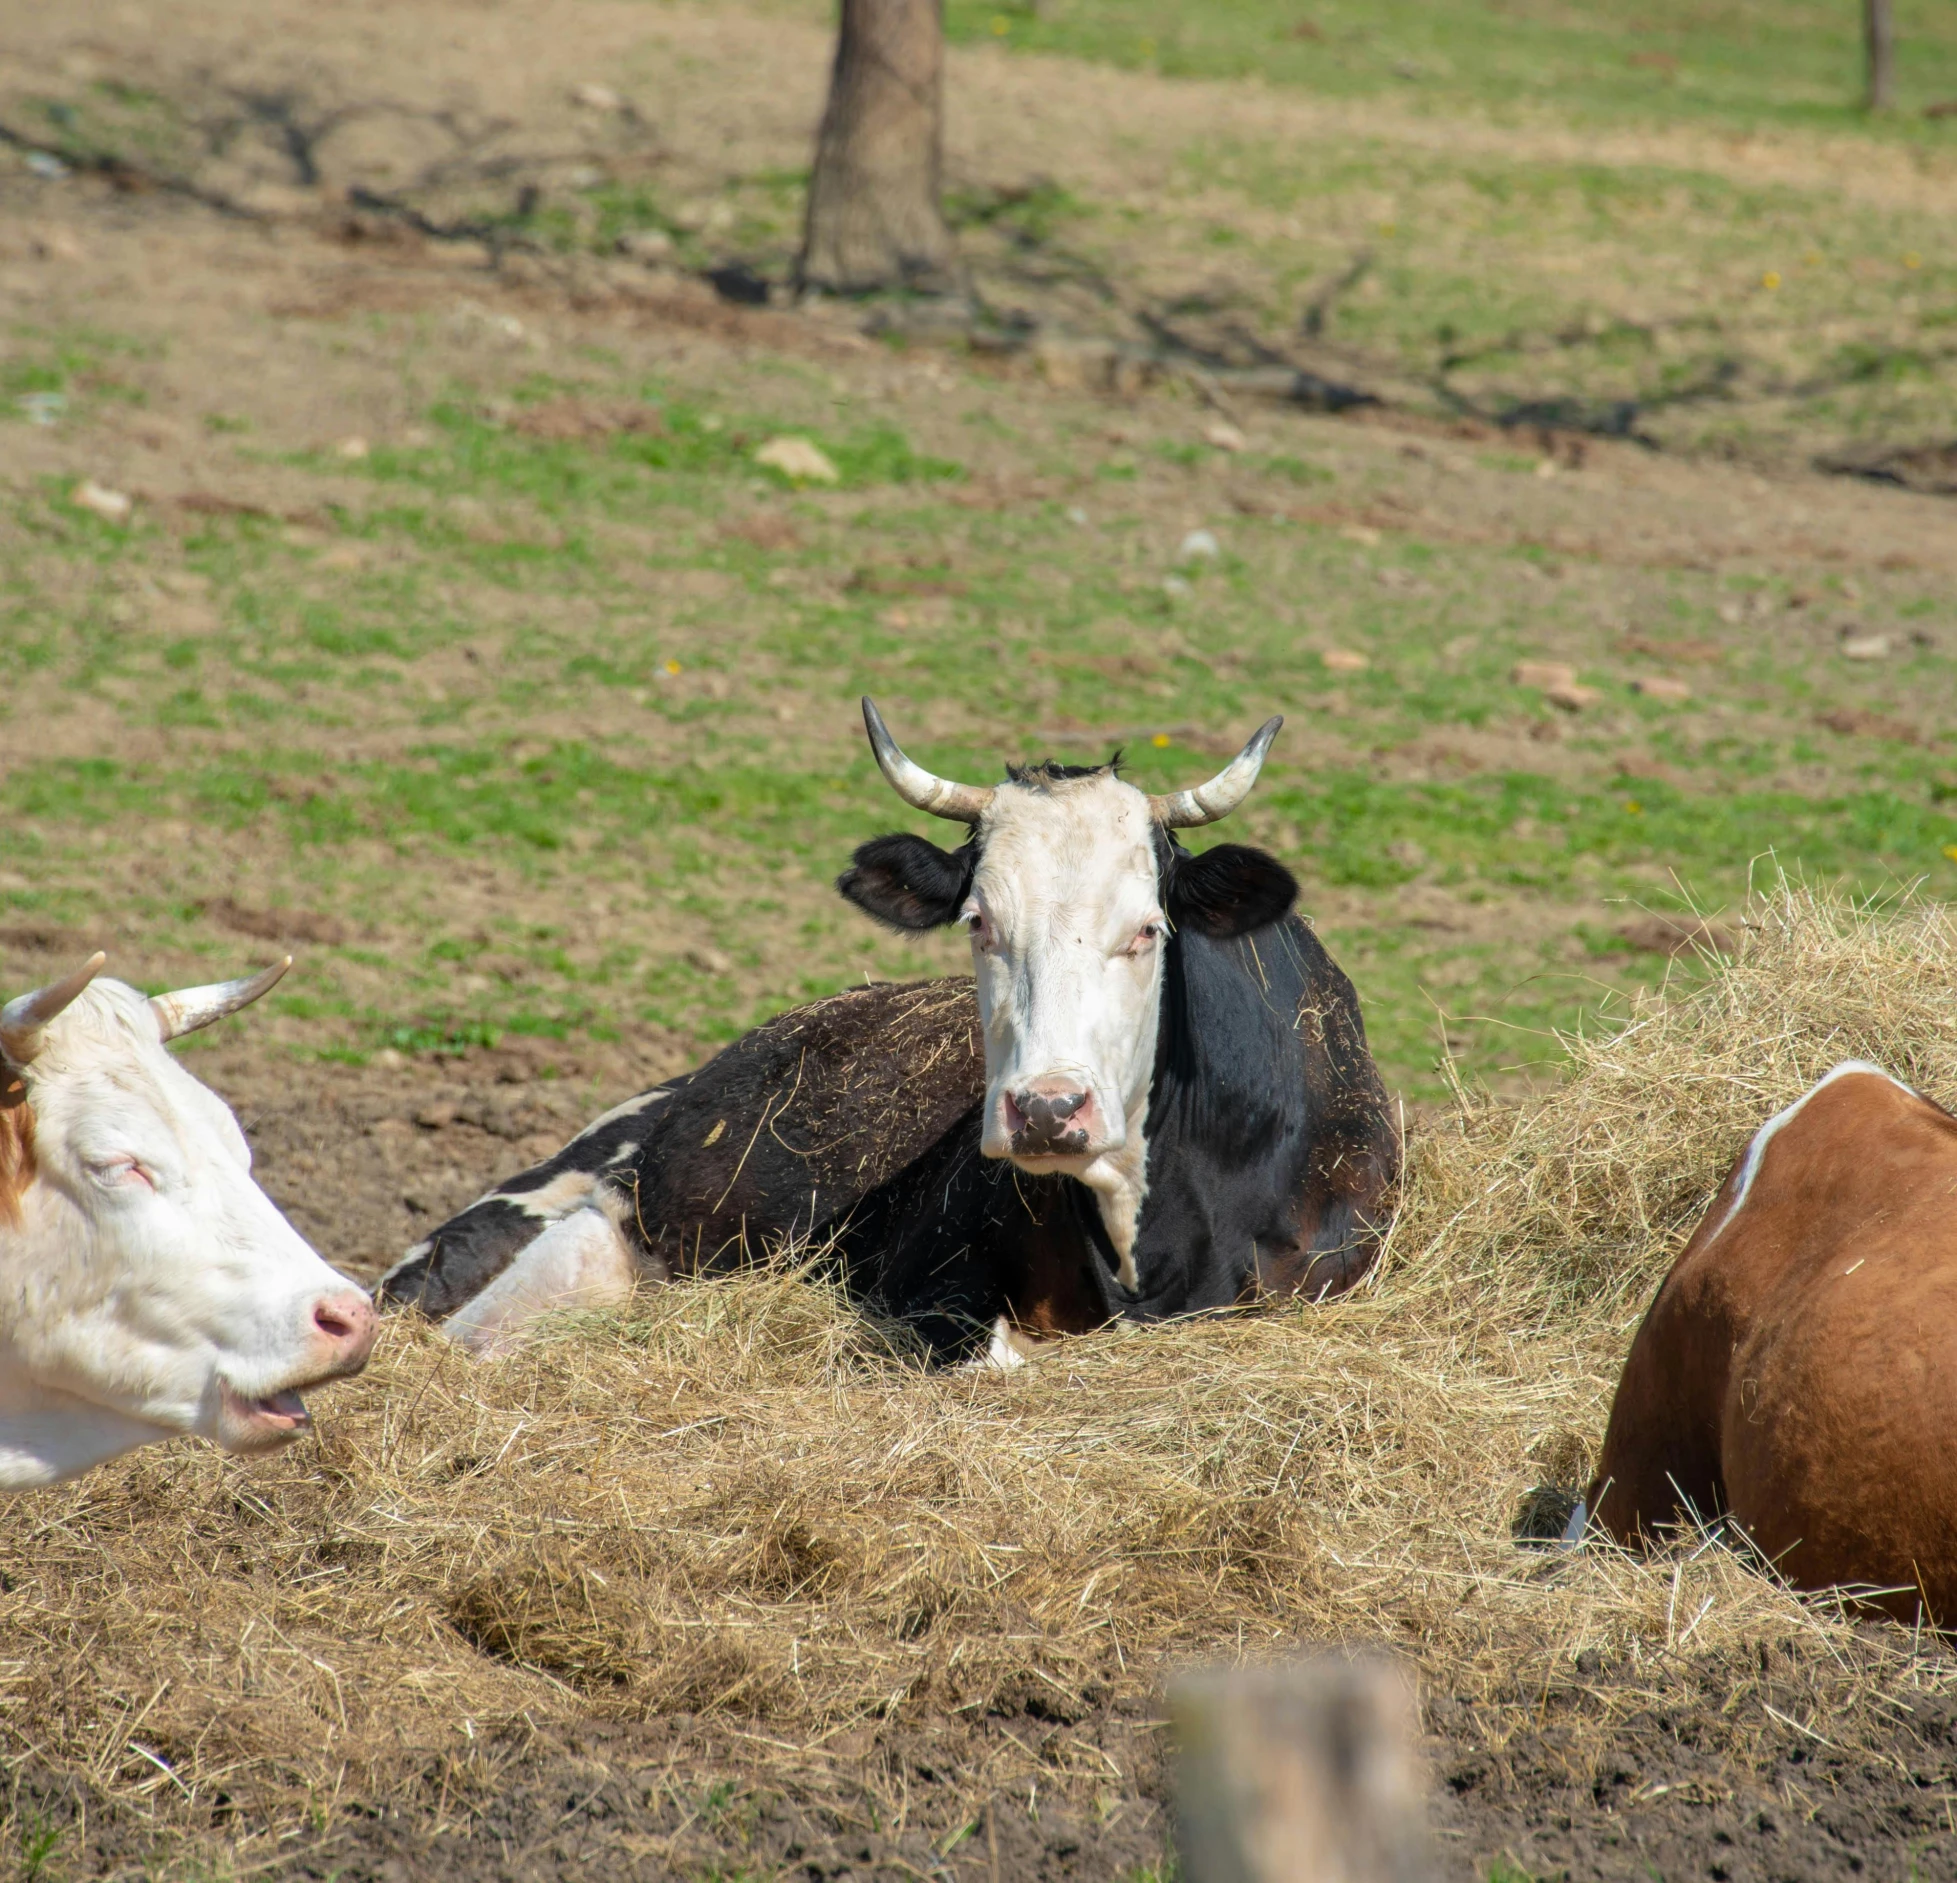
(276,1415)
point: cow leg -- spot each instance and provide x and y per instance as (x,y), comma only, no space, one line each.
(1008,1348)
(580,1261)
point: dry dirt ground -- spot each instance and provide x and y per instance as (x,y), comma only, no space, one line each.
(221,363)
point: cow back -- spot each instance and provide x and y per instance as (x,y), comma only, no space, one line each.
(774,1136)
(789,1127)
(1797,1368)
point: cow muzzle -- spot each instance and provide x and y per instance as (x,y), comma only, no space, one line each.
(343,1331)
(1052,1117)
(338,1341)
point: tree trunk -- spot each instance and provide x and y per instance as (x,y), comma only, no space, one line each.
(1879,42)
(873,219)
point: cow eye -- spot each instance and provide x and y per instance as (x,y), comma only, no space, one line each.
(116,1173)
(1145,938)
(975,924)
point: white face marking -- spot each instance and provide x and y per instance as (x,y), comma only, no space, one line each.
(1067,936)
(150,1287)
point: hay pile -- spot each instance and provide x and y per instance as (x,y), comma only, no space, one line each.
(1576,1206)
(742,1504)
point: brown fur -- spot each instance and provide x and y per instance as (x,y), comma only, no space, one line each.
(17,1168)
(1049,1289)
(1798,1371)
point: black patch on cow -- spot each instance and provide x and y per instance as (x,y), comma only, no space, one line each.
(778,1136)
(906,883)
(957,1239)
(1227,891)
(1273,1155)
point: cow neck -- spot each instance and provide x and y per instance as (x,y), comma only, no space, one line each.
(1107,1260)
(1118,1180)
(47,1435)
(1119,1185)
(1217,1017)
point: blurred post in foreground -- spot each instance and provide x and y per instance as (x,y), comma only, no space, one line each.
(1302,1773)
(1879,43)
(873,216)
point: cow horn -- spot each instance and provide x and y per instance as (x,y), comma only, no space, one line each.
(22,1020)
(1177,810)
(192,1007)
(916,786)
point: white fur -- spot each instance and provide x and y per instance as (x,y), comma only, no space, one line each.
(570,1190)
(1004,1352)
(138,1307)
(580,1261)
(1756,1150)
(1066,882)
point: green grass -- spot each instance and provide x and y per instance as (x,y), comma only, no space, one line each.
(1507,1870)
(743,841)
(1741,62)
(1756,310)
(559,666)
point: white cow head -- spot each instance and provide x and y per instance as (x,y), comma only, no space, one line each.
(148,1287)
(1071,887)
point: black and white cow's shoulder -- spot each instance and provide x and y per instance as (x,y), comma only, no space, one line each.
(777,1134)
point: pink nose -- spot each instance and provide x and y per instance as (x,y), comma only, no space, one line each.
(1050,1117)
(345,1325)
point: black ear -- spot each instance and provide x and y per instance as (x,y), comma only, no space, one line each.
(1228,891)
(908,883)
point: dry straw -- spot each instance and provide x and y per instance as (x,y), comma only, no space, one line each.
(743,1504)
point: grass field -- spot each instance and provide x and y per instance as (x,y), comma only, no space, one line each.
(564,663)
(456,638)
(1739,65)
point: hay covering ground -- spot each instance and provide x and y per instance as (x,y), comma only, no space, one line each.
(743,1504)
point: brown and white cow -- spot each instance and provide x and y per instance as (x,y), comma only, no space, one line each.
(148,1287)
(1797,1371)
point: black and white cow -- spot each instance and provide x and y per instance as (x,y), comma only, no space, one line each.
(1155,1098)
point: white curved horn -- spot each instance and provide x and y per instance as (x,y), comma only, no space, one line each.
(21,1020)
(1177,810)
(192,1007)
(917,787)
